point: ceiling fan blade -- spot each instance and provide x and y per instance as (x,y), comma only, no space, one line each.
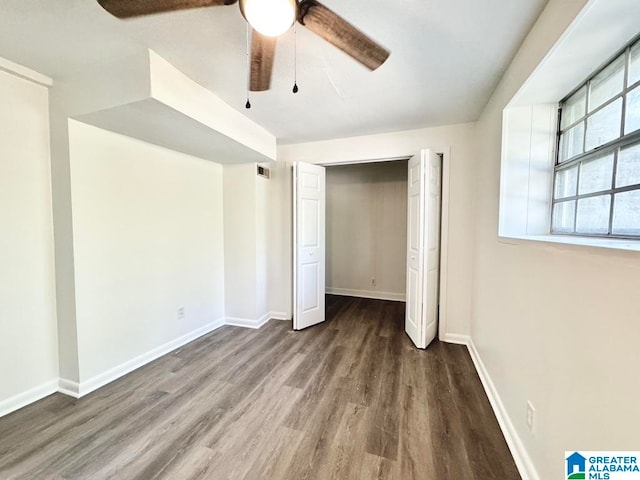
(340,33)
(134,8)
(263,50)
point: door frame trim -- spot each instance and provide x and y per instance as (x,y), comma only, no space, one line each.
(445,151)
(444,240)
(294,244)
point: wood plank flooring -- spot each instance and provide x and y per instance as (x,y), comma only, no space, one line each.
(349,399)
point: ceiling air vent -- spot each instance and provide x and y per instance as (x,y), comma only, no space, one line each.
(263,171)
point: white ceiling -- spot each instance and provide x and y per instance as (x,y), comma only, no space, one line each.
(446,58)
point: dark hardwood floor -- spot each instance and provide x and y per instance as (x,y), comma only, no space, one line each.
(349,399)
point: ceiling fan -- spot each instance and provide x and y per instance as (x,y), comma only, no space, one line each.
(268,19)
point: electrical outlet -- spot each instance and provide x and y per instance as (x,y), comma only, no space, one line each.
(180,313)
(373,282)
(531,414)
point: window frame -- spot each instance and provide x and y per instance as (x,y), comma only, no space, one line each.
(613,146)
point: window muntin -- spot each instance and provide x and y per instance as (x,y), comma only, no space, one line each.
(634,65)
(628,171)
(574,107)
(572,142)
(592,215)
(604,125)
(597,174)
(626,213)
(632,116)
(566,182)
(607,84)
(564,217)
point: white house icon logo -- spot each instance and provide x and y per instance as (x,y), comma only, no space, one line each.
(576,466)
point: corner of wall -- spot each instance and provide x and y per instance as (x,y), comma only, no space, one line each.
(28,341)
(521,457)
(63,240)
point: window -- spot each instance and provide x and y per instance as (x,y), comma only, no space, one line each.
(597,174)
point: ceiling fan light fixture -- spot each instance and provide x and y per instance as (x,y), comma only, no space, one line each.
(269,17)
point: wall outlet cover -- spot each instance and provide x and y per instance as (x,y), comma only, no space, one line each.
(531,413)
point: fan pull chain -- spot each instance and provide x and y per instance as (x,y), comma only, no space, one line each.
(295,59)
(248,104)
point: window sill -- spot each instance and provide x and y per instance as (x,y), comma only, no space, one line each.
(609,243)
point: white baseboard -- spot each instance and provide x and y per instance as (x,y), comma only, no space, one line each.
(518,451)
(73,389)
(247,322)
(456,338)
(69,388)
(114,373)
(257,323)
(77,390)
(25,398)
(348,292)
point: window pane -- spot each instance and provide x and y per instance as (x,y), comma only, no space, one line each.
(593,214)
(634,64)
(626,213)
(574,108)
(563,215)
(607,84)
(628,170)
(571,142)
(566,182)
(596,175)
(632,117)
(604,126)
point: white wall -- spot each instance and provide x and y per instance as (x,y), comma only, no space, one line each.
(557,325)
(262,199)
(279,240)
(148,239)
(254,244)
(458,141)
(240,241)
(367,229)
(28,334)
